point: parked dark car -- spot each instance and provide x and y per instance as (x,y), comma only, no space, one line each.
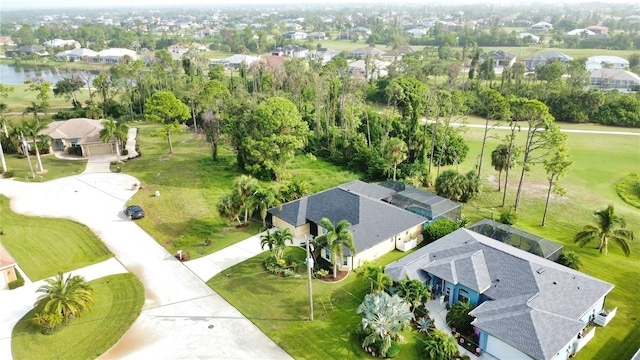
(134,212)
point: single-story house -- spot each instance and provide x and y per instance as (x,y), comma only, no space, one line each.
(115,55)
(532,39)
(606,61)
(352,35)
(615,79)
(317,35)
(292,51)
(294,35)
(598,29)
(397,53)
(7,268)
(580,32)
(367,51)
(78,54)
(416,32)
(60,42)
(377,226)
(540,27)
(527,307)
(79,132)
(500,58)
(324,54)
(373,69)
(234,61)
(27,50)
(545,58)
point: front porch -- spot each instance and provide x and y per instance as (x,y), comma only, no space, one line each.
(438,312)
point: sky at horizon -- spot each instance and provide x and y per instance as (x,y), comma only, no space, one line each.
(49,4)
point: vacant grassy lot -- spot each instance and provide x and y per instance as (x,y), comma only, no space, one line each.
(56,168)
(45,246)
(20,98)
(190,184)
(285,319)
(117,303)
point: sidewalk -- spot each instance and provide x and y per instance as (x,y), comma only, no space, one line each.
(208,266)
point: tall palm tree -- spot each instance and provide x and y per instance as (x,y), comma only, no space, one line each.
(32,130)
(116,129)
(276,241)
(376,276)
(336,238)
(441,346)
(395,152)
(609,226)
(67,297)
(266,198)
(384,318)
(36,109)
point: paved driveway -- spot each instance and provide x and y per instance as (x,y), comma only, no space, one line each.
(182,318)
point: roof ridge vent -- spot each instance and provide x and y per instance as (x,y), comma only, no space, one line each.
(540,270)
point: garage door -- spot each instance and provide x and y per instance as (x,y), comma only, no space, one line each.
(100,149)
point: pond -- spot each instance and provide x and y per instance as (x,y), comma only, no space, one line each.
(16,75)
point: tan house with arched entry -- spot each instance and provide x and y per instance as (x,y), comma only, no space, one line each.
(377,226)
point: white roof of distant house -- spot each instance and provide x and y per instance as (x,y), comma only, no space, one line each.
(79,52)
(608,59)
(576,32)
(615,74)
(241,58)
(117,52)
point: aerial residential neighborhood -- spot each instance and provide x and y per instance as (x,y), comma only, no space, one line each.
(319,181)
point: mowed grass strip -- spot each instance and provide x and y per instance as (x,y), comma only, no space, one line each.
(280,308)
(191,183)
(118,300)
(44,246)
(56,168)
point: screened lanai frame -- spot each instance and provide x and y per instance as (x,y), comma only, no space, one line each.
(520,239)
(422,203)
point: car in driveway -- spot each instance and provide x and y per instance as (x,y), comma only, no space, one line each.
(134,212)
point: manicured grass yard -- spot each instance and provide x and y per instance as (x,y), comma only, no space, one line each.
(56,168)
(44,246)
(117,303)
(190,184)
(280,308)
(598,161)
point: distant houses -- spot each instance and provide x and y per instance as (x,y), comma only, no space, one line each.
(614,79)
(500,58)
(606,61)
(547,57)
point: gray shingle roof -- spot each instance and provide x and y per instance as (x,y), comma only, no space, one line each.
(372,220)
(535,303)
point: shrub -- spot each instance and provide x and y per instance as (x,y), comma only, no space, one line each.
(439,229)
(322,273)
(9,174)
(125,152)
(628,189)
(394,350)
(508,216)
(17,282)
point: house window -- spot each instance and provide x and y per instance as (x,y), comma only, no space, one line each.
(463,295)
(327,253)
(345,261)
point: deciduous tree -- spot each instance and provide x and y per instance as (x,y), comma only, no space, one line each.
(165,108)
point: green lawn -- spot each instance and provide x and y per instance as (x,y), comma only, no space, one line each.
(20,98)
(117,303)
(285,319)
(190,184)
(56,168)
(45,246)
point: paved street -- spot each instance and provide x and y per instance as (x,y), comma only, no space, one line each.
(182,317)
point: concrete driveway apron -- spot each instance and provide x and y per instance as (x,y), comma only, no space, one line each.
(182,317)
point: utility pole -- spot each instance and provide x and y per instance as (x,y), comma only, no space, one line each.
(309,269)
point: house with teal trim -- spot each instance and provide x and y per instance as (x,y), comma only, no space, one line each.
(526,307)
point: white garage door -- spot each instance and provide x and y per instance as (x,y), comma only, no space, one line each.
(100,149)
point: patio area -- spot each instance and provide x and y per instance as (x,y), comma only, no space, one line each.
(438,312)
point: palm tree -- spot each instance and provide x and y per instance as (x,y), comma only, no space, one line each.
(336,238)
(376,276)
(115,129)
(384,318)
(610,226)
(266,198)
(32,130)
(571,260)
(276,241)
(459,318)
(244,187)
(441,346)
(35,108)
(65,297)
(229,208)
(414,292)
(395,152)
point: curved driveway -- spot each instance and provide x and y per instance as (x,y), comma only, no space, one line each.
(182,317)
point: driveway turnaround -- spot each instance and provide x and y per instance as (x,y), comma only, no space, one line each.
(182,317)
